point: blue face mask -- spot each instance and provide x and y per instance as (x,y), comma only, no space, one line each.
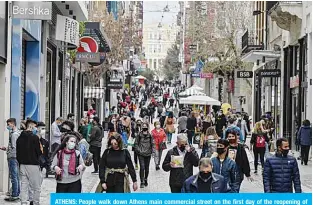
(34,131)
(9,128)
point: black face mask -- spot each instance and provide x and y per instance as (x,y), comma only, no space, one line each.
(220,150)
(144,129)
(204,175)
(285,152)
(182,148)
(63,130)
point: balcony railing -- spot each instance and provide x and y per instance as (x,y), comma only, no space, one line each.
(249,42)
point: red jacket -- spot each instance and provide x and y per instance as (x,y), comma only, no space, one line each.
(127,99)
(158,137)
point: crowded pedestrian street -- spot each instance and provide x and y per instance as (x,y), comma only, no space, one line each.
(155,97)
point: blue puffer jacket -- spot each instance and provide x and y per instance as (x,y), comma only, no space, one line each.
(218,185)
(305,135)
(280,173)
(229,171)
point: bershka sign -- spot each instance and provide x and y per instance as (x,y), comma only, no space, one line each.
(270,73)
(67,30)
(32,10)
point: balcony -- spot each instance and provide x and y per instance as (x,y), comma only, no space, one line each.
(286,14)
(249,40)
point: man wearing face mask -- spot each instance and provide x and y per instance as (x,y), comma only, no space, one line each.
(237,153)
(12,162)
(221,123)
(233,126)
(205,181)
(27,154)
(281,171)
(178,174)
(56,134)
(226,167)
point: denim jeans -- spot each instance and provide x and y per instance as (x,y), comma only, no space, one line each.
(169,137)
(13,170)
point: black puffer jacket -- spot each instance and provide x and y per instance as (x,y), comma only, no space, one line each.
(179,175)
(280,173)
(144,144)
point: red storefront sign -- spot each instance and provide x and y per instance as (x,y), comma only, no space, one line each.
(207,75)
(87,44)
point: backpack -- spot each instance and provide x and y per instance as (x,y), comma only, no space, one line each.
(260,141)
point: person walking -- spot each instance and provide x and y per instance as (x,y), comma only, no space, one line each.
(96,143)
(238,153)
(233,126)
(144,147)
(281,171)
(191,127)
(83,128)
(220,123)
(159,137)
(182,123)
(56,134)
(115,167)
(151,113)
(27,154)
(14,133)
(226,167)
(169,127)
(179,161)
(209,143)
(241,123)
(206,181)
(305,140)
(68,165)
(258,142)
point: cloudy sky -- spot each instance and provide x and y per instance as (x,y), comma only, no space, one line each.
(152,12)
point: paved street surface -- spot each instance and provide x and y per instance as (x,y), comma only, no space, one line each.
(158,180)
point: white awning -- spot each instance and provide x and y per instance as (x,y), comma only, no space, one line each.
(199,100)
(196,87)
(254,56)
(94,92)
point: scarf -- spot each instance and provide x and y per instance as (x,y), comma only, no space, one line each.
(72,163)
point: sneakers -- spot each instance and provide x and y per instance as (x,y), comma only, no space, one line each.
(12,198)
(8,194)
(94,172)
(142,185)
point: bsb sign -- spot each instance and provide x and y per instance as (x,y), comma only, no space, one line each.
(244,74)
(32,10)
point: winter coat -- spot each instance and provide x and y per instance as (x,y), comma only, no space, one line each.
(218,184)
(144,112)
(158,137)
(144,144)
(228,170)
(179,175)
(280,173)
(305,135)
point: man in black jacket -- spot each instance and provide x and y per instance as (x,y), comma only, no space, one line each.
(178,175)
(96,143)
(28,152)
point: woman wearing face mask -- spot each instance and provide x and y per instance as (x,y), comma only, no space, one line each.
(226,167)
(209,143)
(115,167)
(238,153)
(159,137)
(69,166)
(169,127)
(144,147)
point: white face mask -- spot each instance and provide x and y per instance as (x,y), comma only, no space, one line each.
(158,126)
(71,145)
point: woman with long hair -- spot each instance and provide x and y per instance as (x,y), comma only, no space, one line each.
(258,141)
(210,143)
(68,165)
(169,127)
(115,166)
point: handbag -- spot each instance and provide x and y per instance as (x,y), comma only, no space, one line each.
(163,146)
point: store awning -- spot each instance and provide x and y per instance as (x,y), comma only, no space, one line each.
(254,56)
(190,92)
(94,92)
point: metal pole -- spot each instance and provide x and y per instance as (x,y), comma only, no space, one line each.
(64,90)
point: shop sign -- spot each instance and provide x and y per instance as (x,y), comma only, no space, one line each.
(88,44)
(207,75)
(270,73)
(195,75)
(32,10)
(88,57)
(114,83)
(294,81)
(67,30)
(244,74)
